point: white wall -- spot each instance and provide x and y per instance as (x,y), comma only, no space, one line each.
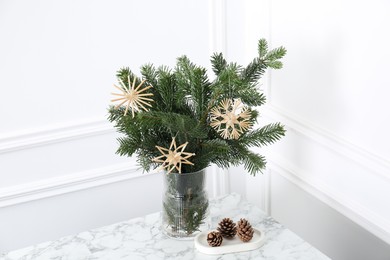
(58,168)
(329,178)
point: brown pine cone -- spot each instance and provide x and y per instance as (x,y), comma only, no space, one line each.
(214,238)
(244,230)
(227,228)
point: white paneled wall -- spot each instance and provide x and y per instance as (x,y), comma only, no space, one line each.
(59,58)
(57,210)
(329,178)
(58,168)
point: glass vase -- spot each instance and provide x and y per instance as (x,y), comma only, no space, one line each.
(185,210)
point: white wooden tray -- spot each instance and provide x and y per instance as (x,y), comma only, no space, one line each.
(229,245)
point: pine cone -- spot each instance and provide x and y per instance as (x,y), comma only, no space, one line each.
(227,228)
(214,238)
(244,230)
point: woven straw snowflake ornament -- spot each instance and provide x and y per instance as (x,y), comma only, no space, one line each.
(230,118)
(133,96)
(174,157)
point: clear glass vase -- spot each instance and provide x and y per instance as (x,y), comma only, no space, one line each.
(185,210)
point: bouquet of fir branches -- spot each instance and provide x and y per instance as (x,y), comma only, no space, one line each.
(181,121)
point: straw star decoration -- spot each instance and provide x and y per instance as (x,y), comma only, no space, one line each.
(133,96)
(174,157)
(230,119)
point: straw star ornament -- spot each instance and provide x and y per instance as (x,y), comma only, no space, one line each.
(133,96)
(230,119)
(174,157)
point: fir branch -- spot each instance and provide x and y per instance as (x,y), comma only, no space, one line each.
(149,73)
(193,81)
(254,163)
(275,64)
(253,71)
(251,97)
(174,123)
(218,63)
(214,151)
(114,114)
(228,82)
(262,48)
(144,159)
(266,135)
(123,75)
(165,90)
(126,146)
(275,54)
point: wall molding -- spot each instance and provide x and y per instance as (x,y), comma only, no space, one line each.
(218,43)
(53,134)
(218,26)
(47,188)
(349,208)
(371,161)
(335,199)
(266,192)
(221,181)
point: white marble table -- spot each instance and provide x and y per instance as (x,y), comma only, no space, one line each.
(141,239)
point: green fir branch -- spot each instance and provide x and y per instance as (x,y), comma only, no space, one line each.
(218,63)
(266,135)
(193,82)
(253,71)
(275,54)
(262,48)
(174,123)
(253,162)
(148,72)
